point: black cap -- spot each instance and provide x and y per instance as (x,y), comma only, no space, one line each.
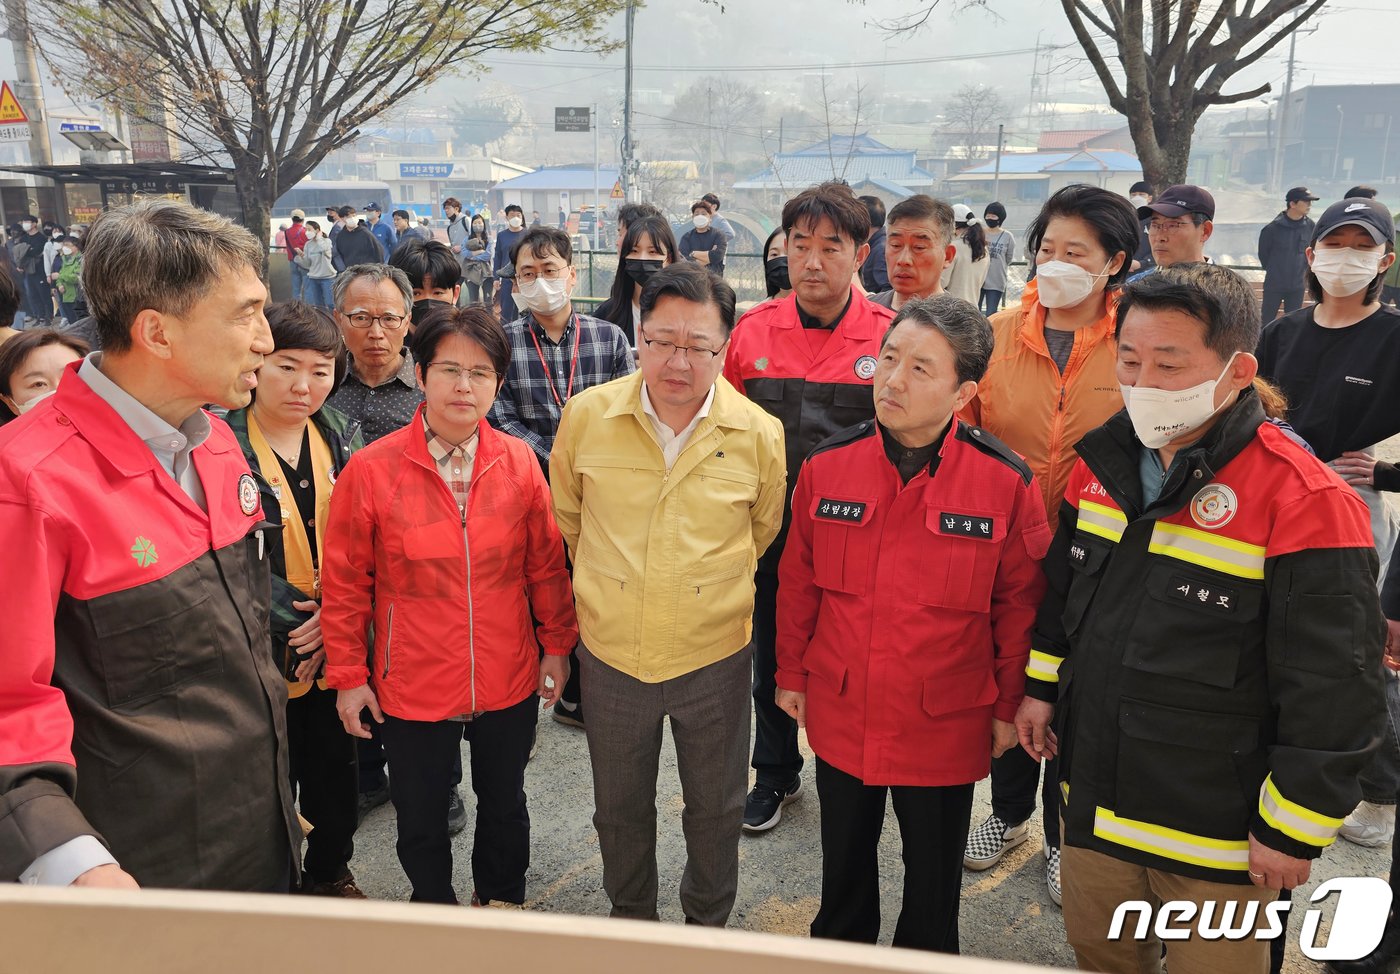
(372,205)
(1179,201)
(1140,187)
(1299,193)
(1358,212)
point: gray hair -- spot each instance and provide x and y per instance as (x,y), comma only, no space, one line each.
(966,329)
(161,255)
(375,274)
(923,208)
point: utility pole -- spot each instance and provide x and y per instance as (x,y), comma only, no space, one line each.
(597,201)
(996,172)
(710,136)
(626,174)
(1276,180)
(27,87)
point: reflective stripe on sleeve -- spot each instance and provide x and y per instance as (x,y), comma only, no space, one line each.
(1295,821)
(1197,850)
(1044,667)
(1208,550)
(1101,520)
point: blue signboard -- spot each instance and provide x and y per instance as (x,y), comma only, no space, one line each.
(78,127)
(425,170)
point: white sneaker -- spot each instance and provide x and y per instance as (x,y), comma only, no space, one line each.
(987,843)
(1052,872)
(1370,825)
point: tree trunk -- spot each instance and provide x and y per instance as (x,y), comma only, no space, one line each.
(255,210)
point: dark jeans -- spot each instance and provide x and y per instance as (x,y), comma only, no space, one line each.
(370,759)
(1014,777)
(420,778)
(1290,296)
(991,301)
(38,297)
(323,779)
(503,292)
(480,293)
(933,825)
(775,754)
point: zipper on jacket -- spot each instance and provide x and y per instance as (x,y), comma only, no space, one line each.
(471,622)
(388,639)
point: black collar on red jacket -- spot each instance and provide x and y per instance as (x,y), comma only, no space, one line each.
(810,321)
(1113,452)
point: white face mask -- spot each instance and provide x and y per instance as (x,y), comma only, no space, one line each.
(68,251)
(545,297)
(26,226)
(700,220)
(1160,416)
(1140,199)
(1342,271)
(24,407)
(514,222)
(1063,285)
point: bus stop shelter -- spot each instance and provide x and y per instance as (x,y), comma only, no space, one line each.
(84,190)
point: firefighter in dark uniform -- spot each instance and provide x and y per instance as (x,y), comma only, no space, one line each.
(908,589)
(142,727)
(1210,642)
(809,360)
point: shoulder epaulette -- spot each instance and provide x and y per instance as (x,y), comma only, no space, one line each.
(993,447)
(844,437)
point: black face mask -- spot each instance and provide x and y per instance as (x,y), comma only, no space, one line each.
(992,221)
(421,309)
(775,273)
(641,269)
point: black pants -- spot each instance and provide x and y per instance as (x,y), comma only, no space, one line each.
(775,754)
(933,826)
(1289,295)
(1014,778)
(323,779)
(420,777)
(370,758)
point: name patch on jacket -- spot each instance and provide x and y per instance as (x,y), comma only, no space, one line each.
(966,525)
(834,510)
(1211,596)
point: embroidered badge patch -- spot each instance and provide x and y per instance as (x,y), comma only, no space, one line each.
(834,510)
(967,525)
(865,367)
(1214,506)
(1205,594)
(144,551)
(247,494)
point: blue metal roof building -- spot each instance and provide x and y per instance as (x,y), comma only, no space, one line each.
(859,160)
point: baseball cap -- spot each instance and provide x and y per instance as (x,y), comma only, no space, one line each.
(372,205)
(1358,212)
(1179,201)
(962,213)
(1140,187)
(1298,193)
(298,214)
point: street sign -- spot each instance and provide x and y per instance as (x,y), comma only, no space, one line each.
(9,106)
(617,191)
(573,119)
(14,132)
(425,170)
(66,127)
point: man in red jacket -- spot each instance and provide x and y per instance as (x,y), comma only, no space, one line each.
(906,596)
(808,360)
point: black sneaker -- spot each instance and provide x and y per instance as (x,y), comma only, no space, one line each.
(370,800)
(763,809)
(573,718)
(456,812)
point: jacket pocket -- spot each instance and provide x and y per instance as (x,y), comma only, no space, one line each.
(851,404)
(1197,628)
(605,593)
(951,693)
(843,543)
(717,599)
(388,641)
(830,670)
(958,567)
(1186,769)
(1087,557)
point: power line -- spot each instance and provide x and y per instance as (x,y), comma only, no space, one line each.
(759,69)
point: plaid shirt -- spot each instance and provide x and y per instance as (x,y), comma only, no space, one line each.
(526,407)
(455,463)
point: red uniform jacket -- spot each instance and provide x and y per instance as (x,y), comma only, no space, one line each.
(450,599)
(138,699)
(770,361)
(911,605)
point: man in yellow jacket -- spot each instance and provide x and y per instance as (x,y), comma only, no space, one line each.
(668,485)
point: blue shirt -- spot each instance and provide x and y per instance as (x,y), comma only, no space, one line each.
(384,233)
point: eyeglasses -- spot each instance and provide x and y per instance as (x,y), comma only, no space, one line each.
(453,373)
(549,274)
(361,319)
(1168,226)
(696,355)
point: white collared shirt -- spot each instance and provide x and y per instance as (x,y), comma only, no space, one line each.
(171,446)
(673,443)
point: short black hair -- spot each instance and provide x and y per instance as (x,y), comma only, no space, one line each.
(427,263)
(345,211)
(925,208)
(690,282)
(1113,219)
(1142,186)
(296,325)
(516,208)
(1219,299)
(875,209)
(831,200)
(544,241)
(965,328)
(994,209)
(402,215)
(630,213)
(702,204)
(1363,191)
(712,199)
(473,322)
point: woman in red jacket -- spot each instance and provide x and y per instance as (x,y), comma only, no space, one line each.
(440,545)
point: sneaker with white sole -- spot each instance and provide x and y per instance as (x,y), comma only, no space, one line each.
(1370,825)
(987,843)
(763,808)
(1052,871)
